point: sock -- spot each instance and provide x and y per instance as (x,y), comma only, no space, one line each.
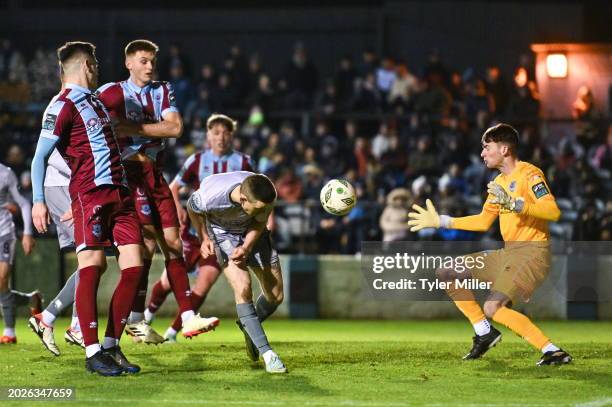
(110,342)
(21,298)
(65,297)
(158,296)
(74,325)
(92,349)
(141,295)
(482,327)
(179,282)
(196,302)
(74,306)
(48,318)
(148,316)
(264,308)
(549,347)
(522,326)
(7,305)
(86,297)
(9,332)
(252,325)
(170,332)
(466,302)
(122,301)
(135,317)
(187,315)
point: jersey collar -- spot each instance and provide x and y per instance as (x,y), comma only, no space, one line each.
(137,89)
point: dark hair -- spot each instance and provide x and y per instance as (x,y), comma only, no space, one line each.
(140,45)
(258,188)
(73,48)
(502,133)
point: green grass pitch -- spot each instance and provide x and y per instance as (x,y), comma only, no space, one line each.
(331,363)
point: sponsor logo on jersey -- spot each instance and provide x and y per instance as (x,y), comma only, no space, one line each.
(96,123)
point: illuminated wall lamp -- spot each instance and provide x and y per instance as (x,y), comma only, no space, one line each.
(556,65)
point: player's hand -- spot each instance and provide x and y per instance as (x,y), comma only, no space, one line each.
(67,217)
(40,217)
(12,208)
(28,243)
(207,248)
(239,255)
(424,218)
(500,196)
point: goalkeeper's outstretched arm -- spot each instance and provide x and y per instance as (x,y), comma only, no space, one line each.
(428,218)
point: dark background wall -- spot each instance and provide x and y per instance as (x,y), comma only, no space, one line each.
(467,33)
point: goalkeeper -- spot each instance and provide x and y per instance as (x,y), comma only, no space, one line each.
(521,198)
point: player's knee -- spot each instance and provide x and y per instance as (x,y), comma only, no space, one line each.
(490,308)
(278,297)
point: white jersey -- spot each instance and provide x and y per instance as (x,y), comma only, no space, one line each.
(213,200)
(58,172)
(9,192)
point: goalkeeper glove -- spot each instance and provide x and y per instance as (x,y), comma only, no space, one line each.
(503,199)
(424,218)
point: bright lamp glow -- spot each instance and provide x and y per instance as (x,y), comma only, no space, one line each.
(556,65)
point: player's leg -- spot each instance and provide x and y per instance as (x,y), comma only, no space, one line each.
(486,336)
(131,264)
(159,293)
(58,202)
(525,270)
(7,298)
(271,281)
(208,273)
(240,281)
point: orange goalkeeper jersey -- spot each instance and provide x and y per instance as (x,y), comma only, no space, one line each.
(527,182)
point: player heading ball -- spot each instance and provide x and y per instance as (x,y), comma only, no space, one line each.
(229,212)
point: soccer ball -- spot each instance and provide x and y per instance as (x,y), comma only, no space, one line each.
(338,197)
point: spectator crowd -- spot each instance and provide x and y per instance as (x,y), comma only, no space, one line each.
(399,133)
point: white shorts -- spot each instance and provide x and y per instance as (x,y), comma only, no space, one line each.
(7,248)
(58,201)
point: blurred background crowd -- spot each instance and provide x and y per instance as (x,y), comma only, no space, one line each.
(398,132)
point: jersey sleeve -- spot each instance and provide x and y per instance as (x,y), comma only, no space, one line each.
(111,96)
(57,120)
(169,100)
(188,174)
(542,204)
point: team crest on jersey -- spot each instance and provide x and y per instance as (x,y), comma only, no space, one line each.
(49,122)
(97,230)
(145,210)
(512,186)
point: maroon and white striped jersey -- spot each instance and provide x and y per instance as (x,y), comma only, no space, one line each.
(148,104)
(200,165)
(86,141)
